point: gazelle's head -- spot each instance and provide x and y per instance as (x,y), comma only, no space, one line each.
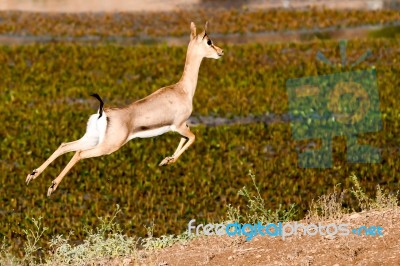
(202,45)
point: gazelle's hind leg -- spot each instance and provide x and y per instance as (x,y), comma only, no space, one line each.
(89,140)
(111,143)
(81,144)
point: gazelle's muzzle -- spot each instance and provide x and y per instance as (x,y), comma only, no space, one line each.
(219,51)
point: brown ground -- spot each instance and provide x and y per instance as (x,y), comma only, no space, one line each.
(295,250)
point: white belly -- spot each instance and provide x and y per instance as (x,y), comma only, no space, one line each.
(152,132)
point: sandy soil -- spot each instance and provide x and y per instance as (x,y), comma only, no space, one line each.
(295,250)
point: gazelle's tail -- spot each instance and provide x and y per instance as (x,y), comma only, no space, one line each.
(95,95)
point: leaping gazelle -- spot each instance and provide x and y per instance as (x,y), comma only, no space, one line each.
(167,109)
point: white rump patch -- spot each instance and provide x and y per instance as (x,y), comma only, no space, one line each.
(96,129)
(152,132)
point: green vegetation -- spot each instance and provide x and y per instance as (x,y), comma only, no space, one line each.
(177,23)
(257,210)
(100,246)
(382,199)
(388,32)
(333,206)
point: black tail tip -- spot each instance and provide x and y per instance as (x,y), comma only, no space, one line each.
(101,103)
(95,95)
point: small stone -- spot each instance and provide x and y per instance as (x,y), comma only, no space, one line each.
(330,237)
(126,261)
(355,216)
(290,257)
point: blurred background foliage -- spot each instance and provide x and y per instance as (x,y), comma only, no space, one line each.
(175,23)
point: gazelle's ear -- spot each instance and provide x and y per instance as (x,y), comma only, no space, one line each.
(192,31)
(204,33)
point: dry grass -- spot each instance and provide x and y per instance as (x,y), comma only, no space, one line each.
(257,210)
(331,206)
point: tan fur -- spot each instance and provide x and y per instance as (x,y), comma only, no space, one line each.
(166,109)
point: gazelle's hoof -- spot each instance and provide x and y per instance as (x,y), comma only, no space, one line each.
(167,160)
(32,176)
(52,188)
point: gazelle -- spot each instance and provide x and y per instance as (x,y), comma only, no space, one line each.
(167,109)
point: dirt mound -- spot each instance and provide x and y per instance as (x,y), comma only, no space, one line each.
(352,249)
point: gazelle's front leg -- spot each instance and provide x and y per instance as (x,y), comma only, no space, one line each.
(187,135)
(183,140)
(81,144)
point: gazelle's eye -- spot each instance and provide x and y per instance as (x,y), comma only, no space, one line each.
(209,42)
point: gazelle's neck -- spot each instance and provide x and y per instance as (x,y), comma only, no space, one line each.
(191,71)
